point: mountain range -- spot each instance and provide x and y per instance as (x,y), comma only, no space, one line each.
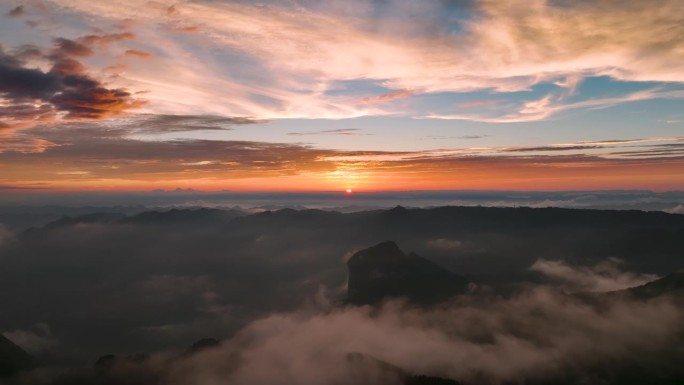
(155,281)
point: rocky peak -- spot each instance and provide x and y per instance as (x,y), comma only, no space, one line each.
(385,271)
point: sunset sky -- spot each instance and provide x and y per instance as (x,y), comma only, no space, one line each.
(299,95)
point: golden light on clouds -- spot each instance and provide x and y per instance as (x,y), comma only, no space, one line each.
(245,96)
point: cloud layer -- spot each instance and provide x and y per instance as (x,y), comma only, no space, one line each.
(534,336)
(295,59)
(134,150)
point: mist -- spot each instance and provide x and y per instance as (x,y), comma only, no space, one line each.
(549,299)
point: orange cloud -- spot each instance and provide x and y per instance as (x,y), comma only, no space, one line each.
(67,47)
(80,156)
(387,97)
(188,29)
(30,96)
(105,39)
(95,102)
(503,47)
(135,53)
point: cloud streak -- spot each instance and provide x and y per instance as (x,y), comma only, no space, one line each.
(602,277)
(549,105)
(338,131)
(131,151)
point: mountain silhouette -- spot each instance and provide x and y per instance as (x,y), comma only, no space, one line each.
(384,271)
(202,345)
(384,372)
(13,358)
(671,284)
(184,216)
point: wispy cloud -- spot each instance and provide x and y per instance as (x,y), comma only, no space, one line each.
(604,276)
(236,63)
(550,104)
(338,131)
(462,137)
(387,97)
(499,48)
(551,148)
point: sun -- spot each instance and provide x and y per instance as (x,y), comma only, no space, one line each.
(348,191)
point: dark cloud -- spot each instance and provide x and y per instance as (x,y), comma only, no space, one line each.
(135,53)
(635,141)
(105,39)
(186,29)
(551,148)
(23,144)
(27,111)
(65,66)
(67,47)
(82,145)
(664,149)
(149,123)
(16,11)
(28,51)
(463,137)
(20,83)
(64,88)
(9,187)
(338,131)
(91,151)
(86,99)
(663,153)
(611,141)
(67,87)
(172,11)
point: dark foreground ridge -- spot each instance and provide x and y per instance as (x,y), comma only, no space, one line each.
(384,271)
(671,284)
(13,359)
(386,373)
(112,283)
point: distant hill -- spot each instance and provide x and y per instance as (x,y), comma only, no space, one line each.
(184,216)
(384,271)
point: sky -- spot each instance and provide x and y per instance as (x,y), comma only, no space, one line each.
(298,95)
